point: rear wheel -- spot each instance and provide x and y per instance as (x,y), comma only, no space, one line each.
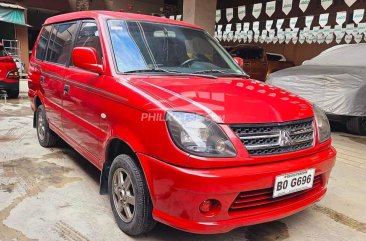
(129,196)
(357,125)
(46,137)
(13,94)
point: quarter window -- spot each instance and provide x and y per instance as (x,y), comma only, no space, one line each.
(42,43)
(89,37)
(59,48)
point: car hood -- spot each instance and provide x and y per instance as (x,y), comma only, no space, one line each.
(225,100)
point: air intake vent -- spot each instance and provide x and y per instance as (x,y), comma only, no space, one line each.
(254,200)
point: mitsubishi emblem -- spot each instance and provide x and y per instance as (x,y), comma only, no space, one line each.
(285,138)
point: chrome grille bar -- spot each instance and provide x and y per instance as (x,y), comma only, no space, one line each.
(276,138)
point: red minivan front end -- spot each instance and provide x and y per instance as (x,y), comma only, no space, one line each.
(287,142)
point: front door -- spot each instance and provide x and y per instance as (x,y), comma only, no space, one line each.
(82,99)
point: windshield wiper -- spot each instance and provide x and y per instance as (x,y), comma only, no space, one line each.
(159,70)
(214,71)
(155,70)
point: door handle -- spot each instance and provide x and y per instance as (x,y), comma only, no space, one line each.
(66,89)
(41,79)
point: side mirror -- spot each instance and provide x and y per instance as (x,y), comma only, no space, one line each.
(86,58)
(239,61)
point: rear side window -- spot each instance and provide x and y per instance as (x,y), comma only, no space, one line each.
(89,37)
(59,47)
(249,53)
(273,57)
(42,43)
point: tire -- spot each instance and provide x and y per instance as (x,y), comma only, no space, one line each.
(357,125)
(140,220)
(46,137)
(13,94)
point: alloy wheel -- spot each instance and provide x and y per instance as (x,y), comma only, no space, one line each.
(41,126)
(123,195)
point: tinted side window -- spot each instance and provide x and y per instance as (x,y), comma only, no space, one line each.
(59,48)
(89,37)
(248,53)
(42,43)
(49,51)
(272,57)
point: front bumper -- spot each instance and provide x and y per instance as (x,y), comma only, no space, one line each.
(177,192)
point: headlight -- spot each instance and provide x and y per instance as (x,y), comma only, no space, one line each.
(198,135)
(322,124)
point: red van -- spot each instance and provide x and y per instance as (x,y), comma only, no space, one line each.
(179,132)
(9,75)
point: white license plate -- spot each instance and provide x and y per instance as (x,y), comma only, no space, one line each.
(293,182)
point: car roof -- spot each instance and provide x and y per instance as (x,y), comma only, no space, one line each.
(346,55)
(114,15)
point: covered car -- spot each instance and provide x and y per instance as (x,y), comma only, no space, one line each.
(335,80)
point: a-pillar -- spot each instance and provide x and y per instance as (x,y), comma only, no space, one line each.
(201,13)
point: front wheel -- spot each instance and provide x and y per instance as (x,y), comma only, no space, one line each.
(357,125)
(129,196)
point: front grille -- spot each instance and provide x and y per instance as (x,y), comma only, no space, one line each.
(252,201)
(276,138)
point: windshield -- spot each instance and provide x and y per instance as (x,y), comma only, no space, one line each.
(144,46)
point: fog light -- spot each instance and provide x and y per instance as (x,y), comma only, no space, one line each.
(210,207)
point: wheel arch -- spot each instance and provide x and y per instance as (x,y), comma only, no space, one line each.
(116,146)
(37,103)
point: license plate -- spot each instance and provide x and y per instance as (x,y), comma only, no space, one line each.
(293,182)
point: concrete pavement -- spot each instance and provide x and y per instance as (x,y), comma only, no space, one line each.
(52,194)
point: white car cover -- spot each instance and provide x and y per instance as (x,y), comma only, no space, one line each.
(335,80)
